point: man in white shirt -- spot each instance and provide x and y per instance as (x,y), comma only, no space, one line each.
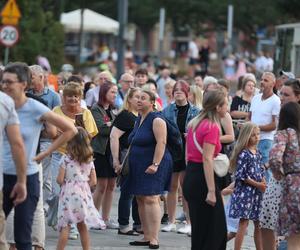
(9,124)
(264,112)
(92,95)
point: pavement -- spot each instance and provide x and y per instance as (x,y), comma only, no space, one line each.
(110,240)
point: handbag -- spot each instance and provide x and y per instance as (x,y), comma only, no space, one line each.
(221,161)
(125,164)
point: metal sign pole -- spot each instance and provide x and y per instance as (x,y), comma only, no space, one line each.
(6,55)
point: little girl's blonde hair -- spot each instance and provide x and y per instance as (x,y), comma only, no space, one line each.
(242,143)
(79,147)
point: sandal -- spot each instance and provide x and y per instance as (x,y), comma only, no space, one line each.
(130,232)
(139,243)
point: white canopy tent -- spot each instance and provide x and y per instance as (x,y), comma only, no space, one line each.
(92,22)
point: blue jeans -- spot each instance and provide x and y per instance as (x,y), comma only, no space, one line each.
(125,202)
(264,146)
(23,218)
(55,164)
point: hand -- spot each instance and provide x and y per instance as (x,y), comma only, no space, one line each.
(211,198)
(108,124)
(18,193)
(151,169)
(38,158)
(117,167)
(262,186)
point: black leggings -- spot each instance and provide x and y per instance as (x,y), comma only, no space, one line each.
(208,223)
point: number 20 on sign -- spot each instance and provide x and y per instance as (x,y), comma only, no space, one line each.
(9,35)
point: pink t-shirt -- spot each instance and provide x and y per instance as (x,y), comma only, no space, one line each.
(207,132)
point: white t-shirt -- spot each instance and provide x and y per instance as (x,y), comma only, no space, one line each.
(262,112)
(193,50)
(92,96)
(8,116)
(30,115)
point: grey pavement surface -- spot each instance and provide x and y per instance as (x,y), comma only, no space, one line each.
(110,240)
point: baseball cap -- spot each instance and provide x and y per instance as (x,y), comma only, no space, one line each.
(290,75)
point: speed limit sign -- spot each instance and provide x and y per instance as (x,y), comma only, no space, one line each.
(9,35)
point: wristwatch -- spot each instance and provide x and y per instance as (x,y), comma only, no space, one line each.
(155,164)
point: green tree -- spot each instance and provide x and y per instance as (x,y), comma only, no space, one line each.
(40,34)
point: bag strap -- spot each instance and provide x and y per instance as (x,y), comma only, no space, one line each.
(196,143)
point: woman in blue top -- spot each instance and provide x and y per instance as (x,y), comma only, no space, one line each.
(150,167)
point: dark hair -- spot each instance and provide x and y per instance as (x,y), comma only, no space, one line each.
(86,88)
(20,69)
(289,117)
(79,147)
(105,87)
(75,78)
(294,84)
(240,83)
(141,72)
(152,81)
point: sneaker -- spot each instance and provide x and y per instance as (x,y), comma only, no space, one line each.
(165,219)
(171,227)
(111,224)
(185,229)
(181,218)
(73,235)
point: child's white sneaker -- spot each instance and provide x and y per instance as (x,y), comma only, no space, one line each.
(111,224)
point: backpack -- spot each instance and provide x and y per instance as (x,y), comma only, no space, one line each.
(174,141)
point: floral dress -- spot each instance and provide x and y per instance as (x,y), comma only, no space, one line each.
(75,198)
(285,157)
(246,199)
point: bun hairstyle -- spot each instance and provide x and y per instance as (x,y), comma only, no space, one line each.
(151,96)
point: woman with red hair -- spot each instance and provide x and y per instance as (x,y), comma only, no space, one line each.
(179,114)
(106,177)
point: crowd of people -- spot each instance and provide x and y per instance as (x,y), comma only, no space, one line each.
(66,150)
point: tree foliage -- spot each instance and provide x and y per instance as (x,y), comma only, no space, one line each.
(192,14)
(40,34)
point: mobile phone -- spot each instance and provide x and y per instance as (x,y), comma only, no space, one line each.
(79,120)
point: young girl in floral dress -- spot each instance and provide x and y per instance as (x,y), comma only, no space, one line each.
(76,176)
(249,184)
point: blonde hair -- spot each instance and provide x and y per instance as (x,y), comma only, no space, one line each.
(72,88)
(242,143)
(170,83)
(79,147)
(196,91)
(211,100)
(128,96)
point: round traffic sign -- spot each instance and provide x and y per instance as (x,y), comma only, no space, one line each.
(9,35)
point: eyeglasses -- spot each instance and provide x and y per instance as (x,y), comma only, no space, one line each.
(8,82)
